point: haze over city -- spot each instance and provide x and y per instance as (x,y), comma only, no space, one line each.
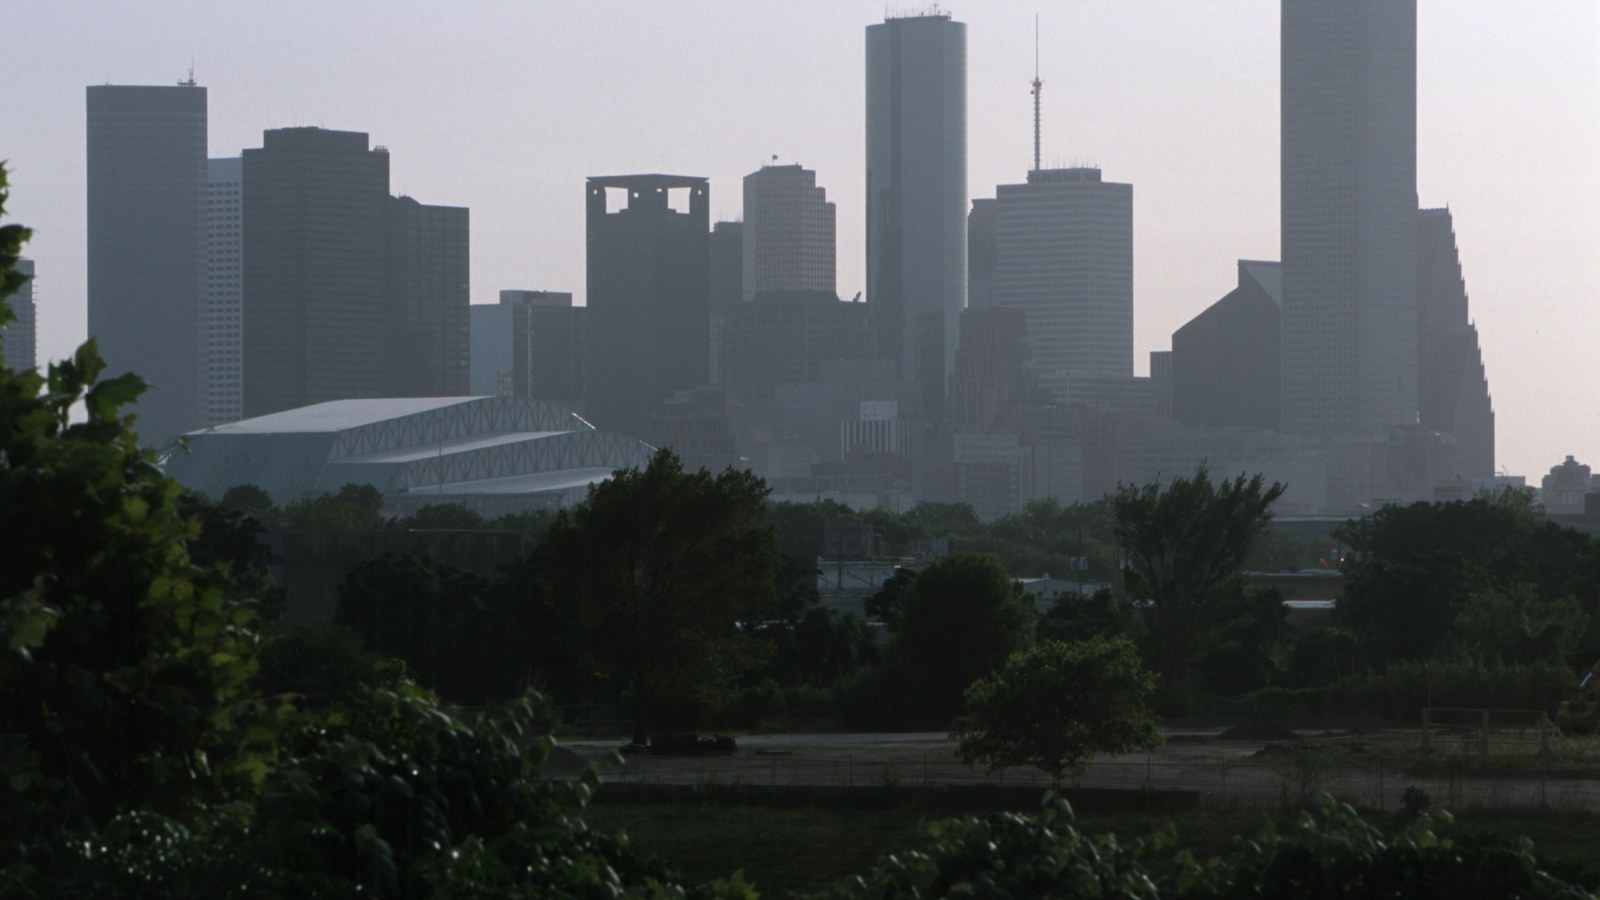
(506,109)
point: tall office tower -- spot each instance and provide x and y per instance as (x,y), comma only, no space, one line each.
(315,212)
(917,195)
(19,340)
(789,230)
(1349,208)
(222,388)
(727,264)
(1064,257)
(726,285)
(648,284)
(1452,390)
(426,292)
(1226,360)
(980,254)
(147,245)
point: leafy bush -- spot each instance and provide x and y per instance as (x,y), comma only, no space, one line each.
(1330,853)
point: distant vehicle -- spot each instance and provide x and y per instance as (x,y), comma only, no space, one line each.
(1580,713)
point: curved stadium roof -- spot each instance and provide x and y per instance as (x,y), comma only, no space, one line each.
(508,452)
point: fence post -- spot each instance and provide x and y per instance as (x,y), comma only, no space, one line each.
(1427,745)
(1483,737)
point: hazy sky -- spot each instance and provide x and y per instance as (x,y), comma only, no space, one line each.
(505,107)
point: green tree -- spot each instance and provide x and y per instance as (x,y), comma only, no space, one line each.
(444,516)
(885,604)
(1249,635)
(663,566)
(1056,705)
(353,506)
(1330,853)
(1185,546)
(1077,618)
(323,664)
(1413,571)
(959,620)
(247,499)
(413,608)
(123,667)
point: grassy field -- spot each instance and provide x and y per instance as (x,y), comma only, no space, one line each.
(799,851)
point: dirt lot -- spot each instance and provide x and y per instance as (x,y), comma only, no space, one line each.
(1259,765)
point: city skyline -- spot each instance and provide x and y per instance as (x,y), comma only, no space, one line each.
(1506,137)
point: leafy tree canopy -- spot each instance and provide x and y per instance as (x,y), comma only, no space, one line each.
(959,619)
(123,666)
(663,566)
(1055,705)
(1186,543)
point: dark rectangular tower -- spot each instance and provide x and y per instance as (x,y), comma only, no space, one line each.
(146,249)
(648,295)
(315,219)
(427,291)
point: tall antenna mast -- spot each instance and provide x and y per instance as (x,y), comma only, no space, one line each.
(1038,87)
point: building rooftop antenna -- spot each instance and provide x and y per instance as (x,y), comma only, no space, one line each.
(1038,88)
(189,82)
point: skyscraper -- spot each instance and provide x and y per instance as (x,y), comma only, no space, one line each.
(1064,257)
(727,265)
(1349,207)
(426,294)
(222,389)
(19,340)
(980,253)
(789,228)
(313,269)
(917,195)
(146,245)
(648,260)
(1452,390)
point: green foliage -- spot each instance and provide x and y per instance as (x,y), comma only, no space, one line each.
(353,506)
(462,635)
(959,620)
(1075,618)
(1415,801)
(1249,634)
(12,237)
(1332,853)
(394,798)
(1400,691)
(885,604)
(1514,624)
(1186,544)
(1056,705)
(1486,579)
(246,499)
(444,516)
(322,665)
(124,666)
(663,565)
